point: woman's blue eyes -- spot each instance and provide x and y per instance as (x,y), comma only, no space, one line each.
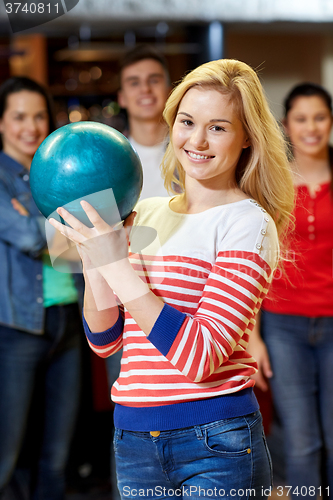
(215,128)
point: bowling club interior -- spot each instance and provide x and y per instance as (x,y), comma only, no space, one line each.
(76,56)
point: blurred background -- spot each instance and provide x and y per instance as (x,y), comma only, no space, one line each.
(76,55)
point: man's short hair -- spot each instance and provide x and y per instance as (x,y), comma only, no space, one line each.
(141,52)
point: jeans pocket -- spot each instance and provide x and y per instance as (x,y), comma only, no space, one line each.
(230,439)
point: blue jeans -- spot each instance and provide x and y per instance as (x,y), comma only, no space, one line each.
(301,353)
(224,458)
(113,369)
(54,356)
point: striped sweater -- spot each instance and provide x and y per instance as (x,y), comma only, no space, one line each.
(212,270)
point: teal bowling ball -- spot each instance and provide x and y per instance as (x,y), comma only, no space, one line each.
(86,161)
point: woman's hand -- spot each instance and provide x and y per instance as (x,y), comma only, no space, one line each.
(100,245)
(257,349)
(86,262)
(107,249)
(19,207)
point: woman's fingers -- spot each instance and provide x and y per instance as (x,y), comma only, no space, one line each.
(74,222)
(78,232)
(68,231)
(94,217)
(19,207)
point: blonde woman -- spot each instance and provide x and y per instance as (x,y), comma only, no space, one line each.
(187,421)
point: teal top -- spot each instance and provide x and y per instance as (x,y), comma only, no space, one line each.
(58,287)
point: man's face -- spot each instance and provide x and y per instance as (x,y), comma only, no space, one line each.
(144,90)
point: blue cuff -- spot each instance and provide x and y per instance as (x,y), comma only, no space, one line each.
(166,328)
(101,339)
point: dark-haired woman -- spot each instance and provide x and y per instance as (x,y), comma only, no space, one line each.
(39,314)
(297,323)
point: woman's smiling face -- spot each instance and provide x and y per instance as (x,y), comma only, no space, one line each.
(308,125)
(24,124)
(208,137)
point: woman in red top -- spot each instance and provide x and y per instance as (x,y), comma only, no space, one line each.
(297,319)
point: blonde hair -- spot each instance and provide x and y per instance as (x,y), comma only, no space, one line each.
(263,171)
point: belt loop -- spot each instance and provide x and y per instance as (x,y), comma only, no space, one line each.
(198,432)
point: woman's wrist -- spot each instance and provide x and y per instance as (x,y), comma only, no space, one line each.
(122,278)
(97,291)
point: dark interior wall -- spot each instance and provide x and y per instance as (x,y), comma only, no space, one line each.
(282,60)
